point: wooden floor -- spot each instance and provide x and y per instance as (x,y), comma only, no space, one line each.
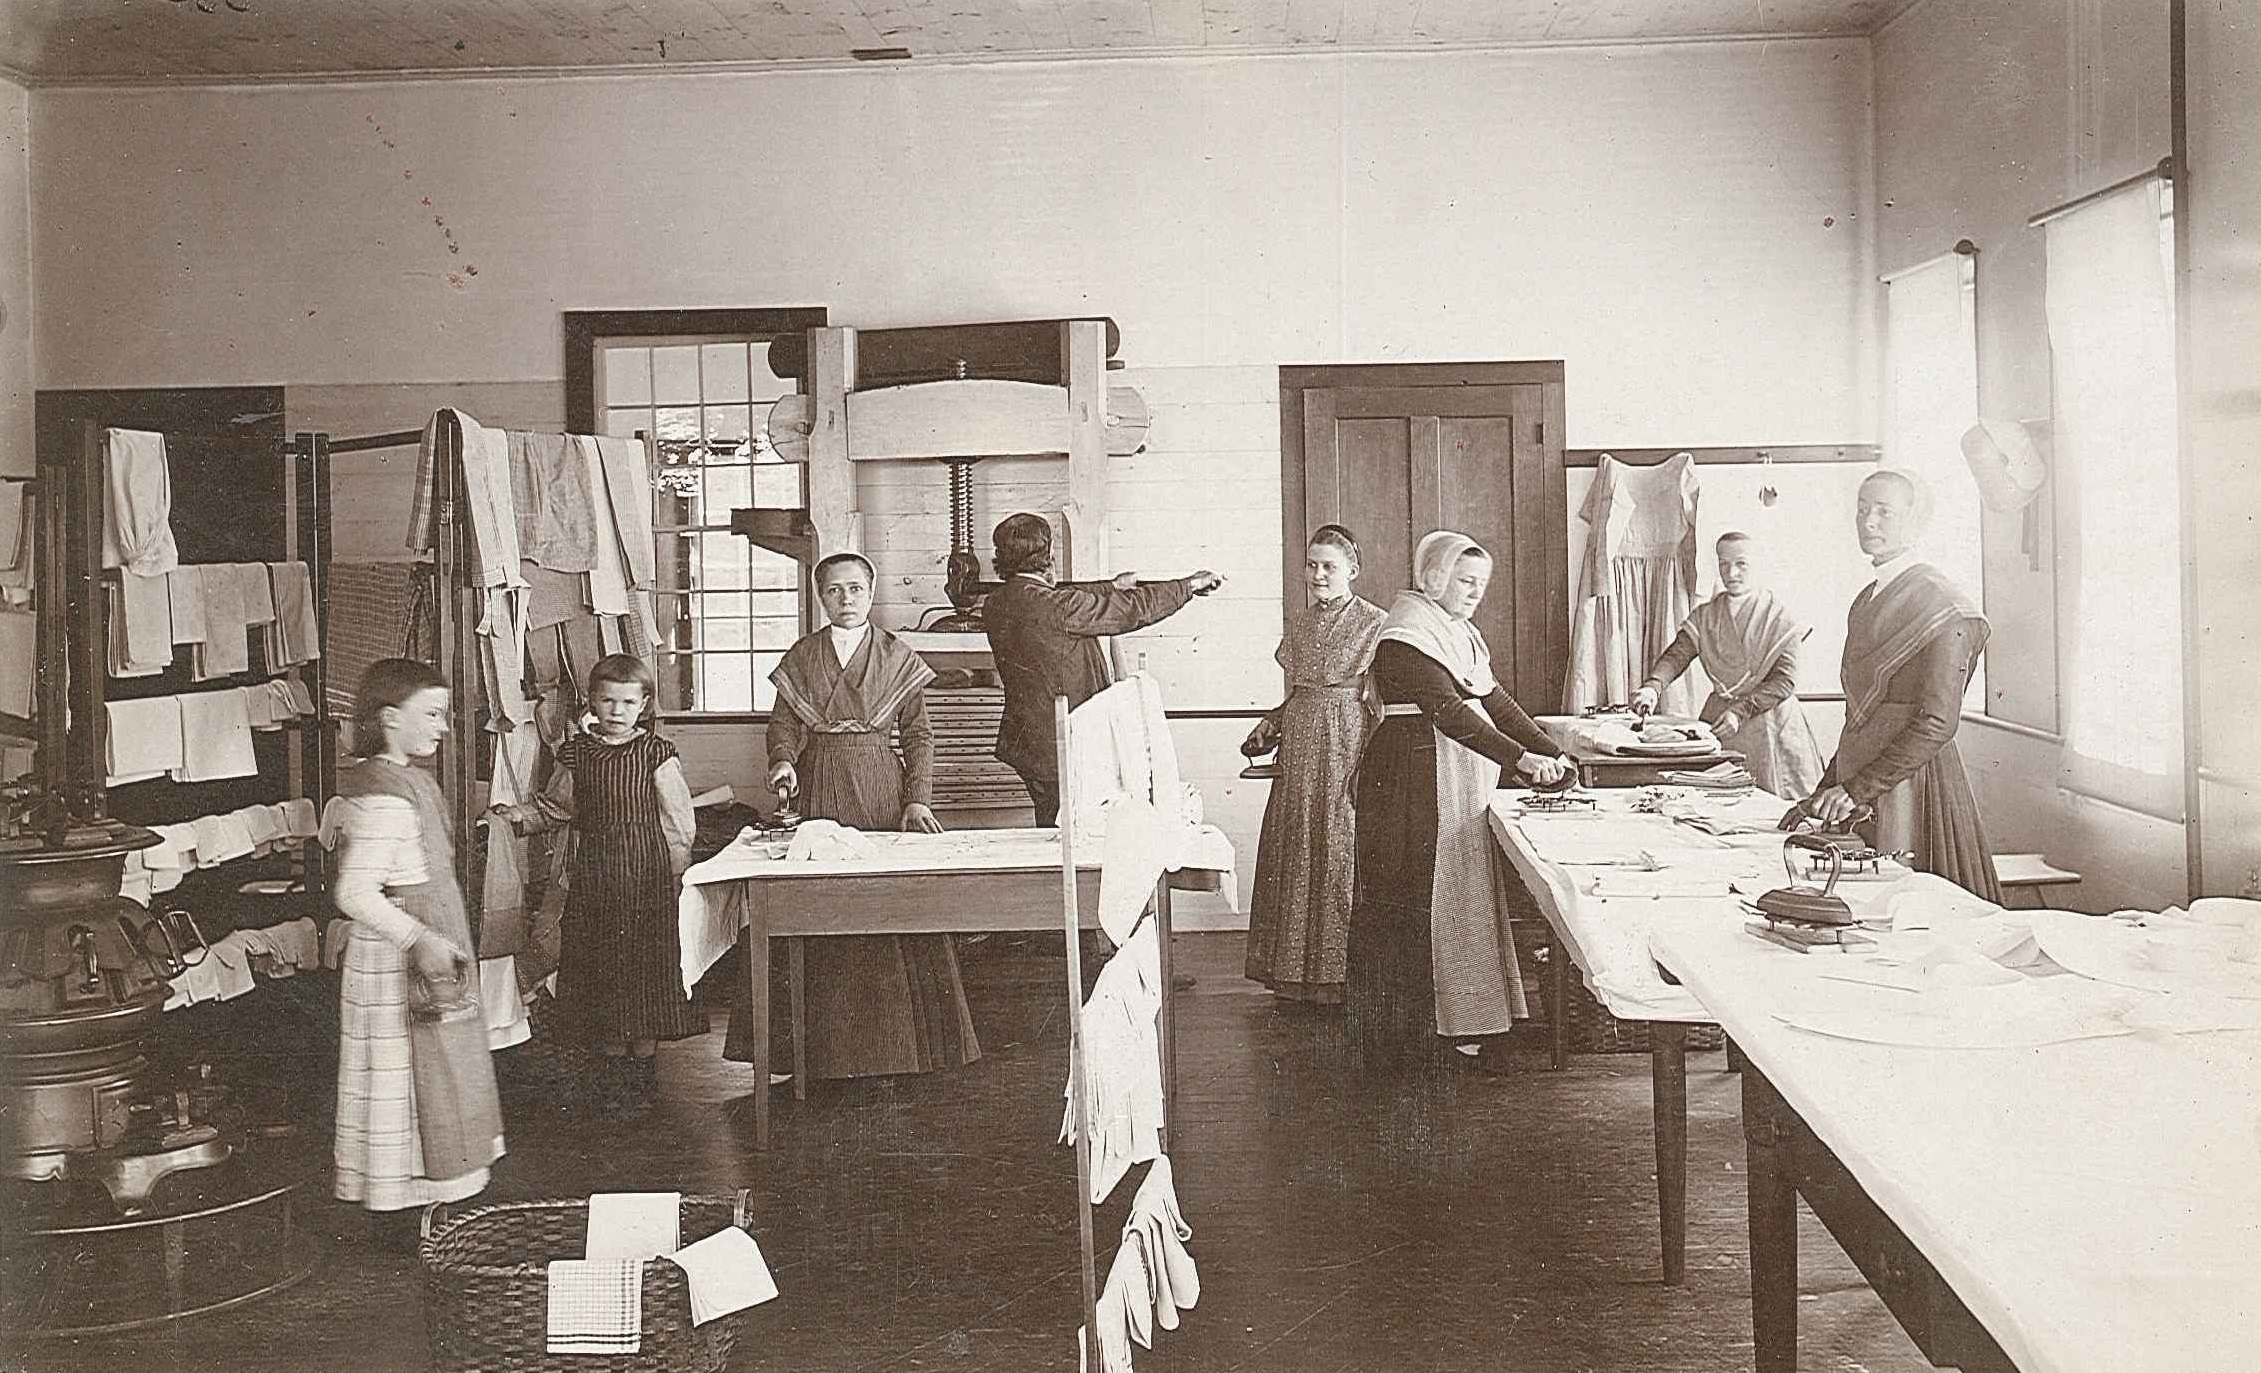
(1492,1223)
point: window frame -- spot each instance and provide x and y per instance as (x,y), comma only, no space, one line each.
(587,331)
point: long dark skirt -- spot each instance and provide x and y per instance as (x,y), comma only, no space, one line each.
(1389,990)
(874,1003)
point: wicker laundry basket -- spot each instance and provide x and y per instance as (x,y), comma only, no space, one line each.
(486,1291)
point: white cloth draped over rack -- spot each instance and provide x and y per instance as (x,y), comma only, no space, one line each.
(137,505)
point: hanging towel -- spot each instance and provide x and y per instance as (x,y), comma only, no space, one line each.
(19,661)
(549,485)
(1131,863)
(145,739)
(13,545)
(215,737)
(295,636)
(727,1273)
(137,504)
(299,819)
(628,488)
(502,654)
(148,606)
(596,1306)
(552,598)
(633,1225)
(257,593)
(608,575)
(120,632)
(1161,1227)
(184,601)
(1122,1064)
(226,649)
(262,823)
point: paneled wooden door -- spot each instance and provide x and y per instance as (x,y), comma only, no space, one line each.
(1392,452)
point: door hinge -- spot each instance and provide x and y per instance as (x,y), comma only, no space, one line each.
(1540,430)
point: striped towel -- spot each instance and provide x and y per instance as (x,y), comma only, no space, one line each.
(596,1306)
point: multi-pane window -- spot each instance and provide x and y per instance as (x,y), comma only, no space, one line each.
(727,609)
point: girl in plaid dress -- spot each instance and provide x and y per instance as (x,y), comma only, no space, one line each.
(396,881)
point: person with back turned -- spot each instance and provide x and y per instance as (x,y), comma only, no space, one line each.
(1044,636)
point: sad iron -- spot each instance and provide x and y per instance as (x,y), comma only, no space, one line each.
(1813,907)
(785,817)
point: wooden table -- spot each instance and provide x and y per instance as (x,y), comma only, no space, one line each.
(2086,1205)
(1606,940)
(965,881)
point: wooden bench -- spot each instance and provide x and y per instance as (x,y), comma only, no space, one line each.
(2029,873)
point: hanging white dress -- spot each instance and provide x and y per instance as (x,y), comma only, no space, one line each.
(1636,584)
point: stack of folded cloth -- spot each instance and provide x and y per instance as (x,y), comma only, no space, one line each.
(1721,779)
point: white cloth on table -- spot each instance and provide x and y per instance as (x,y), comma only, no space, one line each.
(137,503)
(145,739)
(633,1225)
(709,911)
(226,648)
(595,1306)
(727,1273)
(1122,1063)
(215,737)
(828,841)
(184,598)
(1160,1225)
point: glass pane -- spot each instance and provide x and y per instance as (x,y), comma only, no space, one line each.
(725,604)
(677,424)
(777,485)
(776,634)
(726,681)
(719,633)
(731,422)
(722,562)
(722,371)
(729,488)
(627,375)
(767,385)
(626,423)
(772,571)
(675,375)
(785,605)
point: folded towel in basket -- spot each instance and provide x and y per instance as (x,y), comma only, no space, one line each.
(596,1306)
(633,1225)
(727,1274)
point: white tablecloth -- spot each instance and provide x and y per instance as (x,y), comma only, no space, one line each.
(2096,1204)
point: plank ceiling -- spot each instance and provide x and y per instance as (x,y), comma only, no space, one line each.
(76,40)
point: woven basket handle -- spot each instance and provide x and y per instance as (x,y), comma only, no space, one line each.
(430,1219)
(741,1209)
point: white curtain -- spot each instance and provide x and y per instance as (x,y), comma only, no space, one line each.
(1930,399)
(2110,301)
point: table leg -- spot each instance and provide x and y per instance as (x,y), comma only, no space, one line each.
(1772,1202)
(1558,1004)
(755,939)
(796,985)
(1668,1090)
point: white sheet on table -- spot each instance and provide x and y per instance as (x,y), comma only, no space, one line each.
(2111,951)
(2024,1014)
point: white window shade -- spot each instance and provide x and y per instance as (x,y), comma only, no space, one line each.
(2110,303)
(1930,399)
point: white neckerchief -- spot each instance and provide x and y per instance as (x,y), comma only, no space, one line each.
(1890,569)
(845,642)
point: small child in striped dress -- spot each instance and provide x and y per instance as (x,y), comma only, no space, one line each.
(621,789)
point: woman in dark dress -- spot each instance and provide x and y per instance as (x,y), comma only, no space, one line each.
(1429,950)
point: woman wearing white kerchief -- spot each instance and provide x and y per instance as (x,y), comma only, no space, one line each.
(1429,949)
